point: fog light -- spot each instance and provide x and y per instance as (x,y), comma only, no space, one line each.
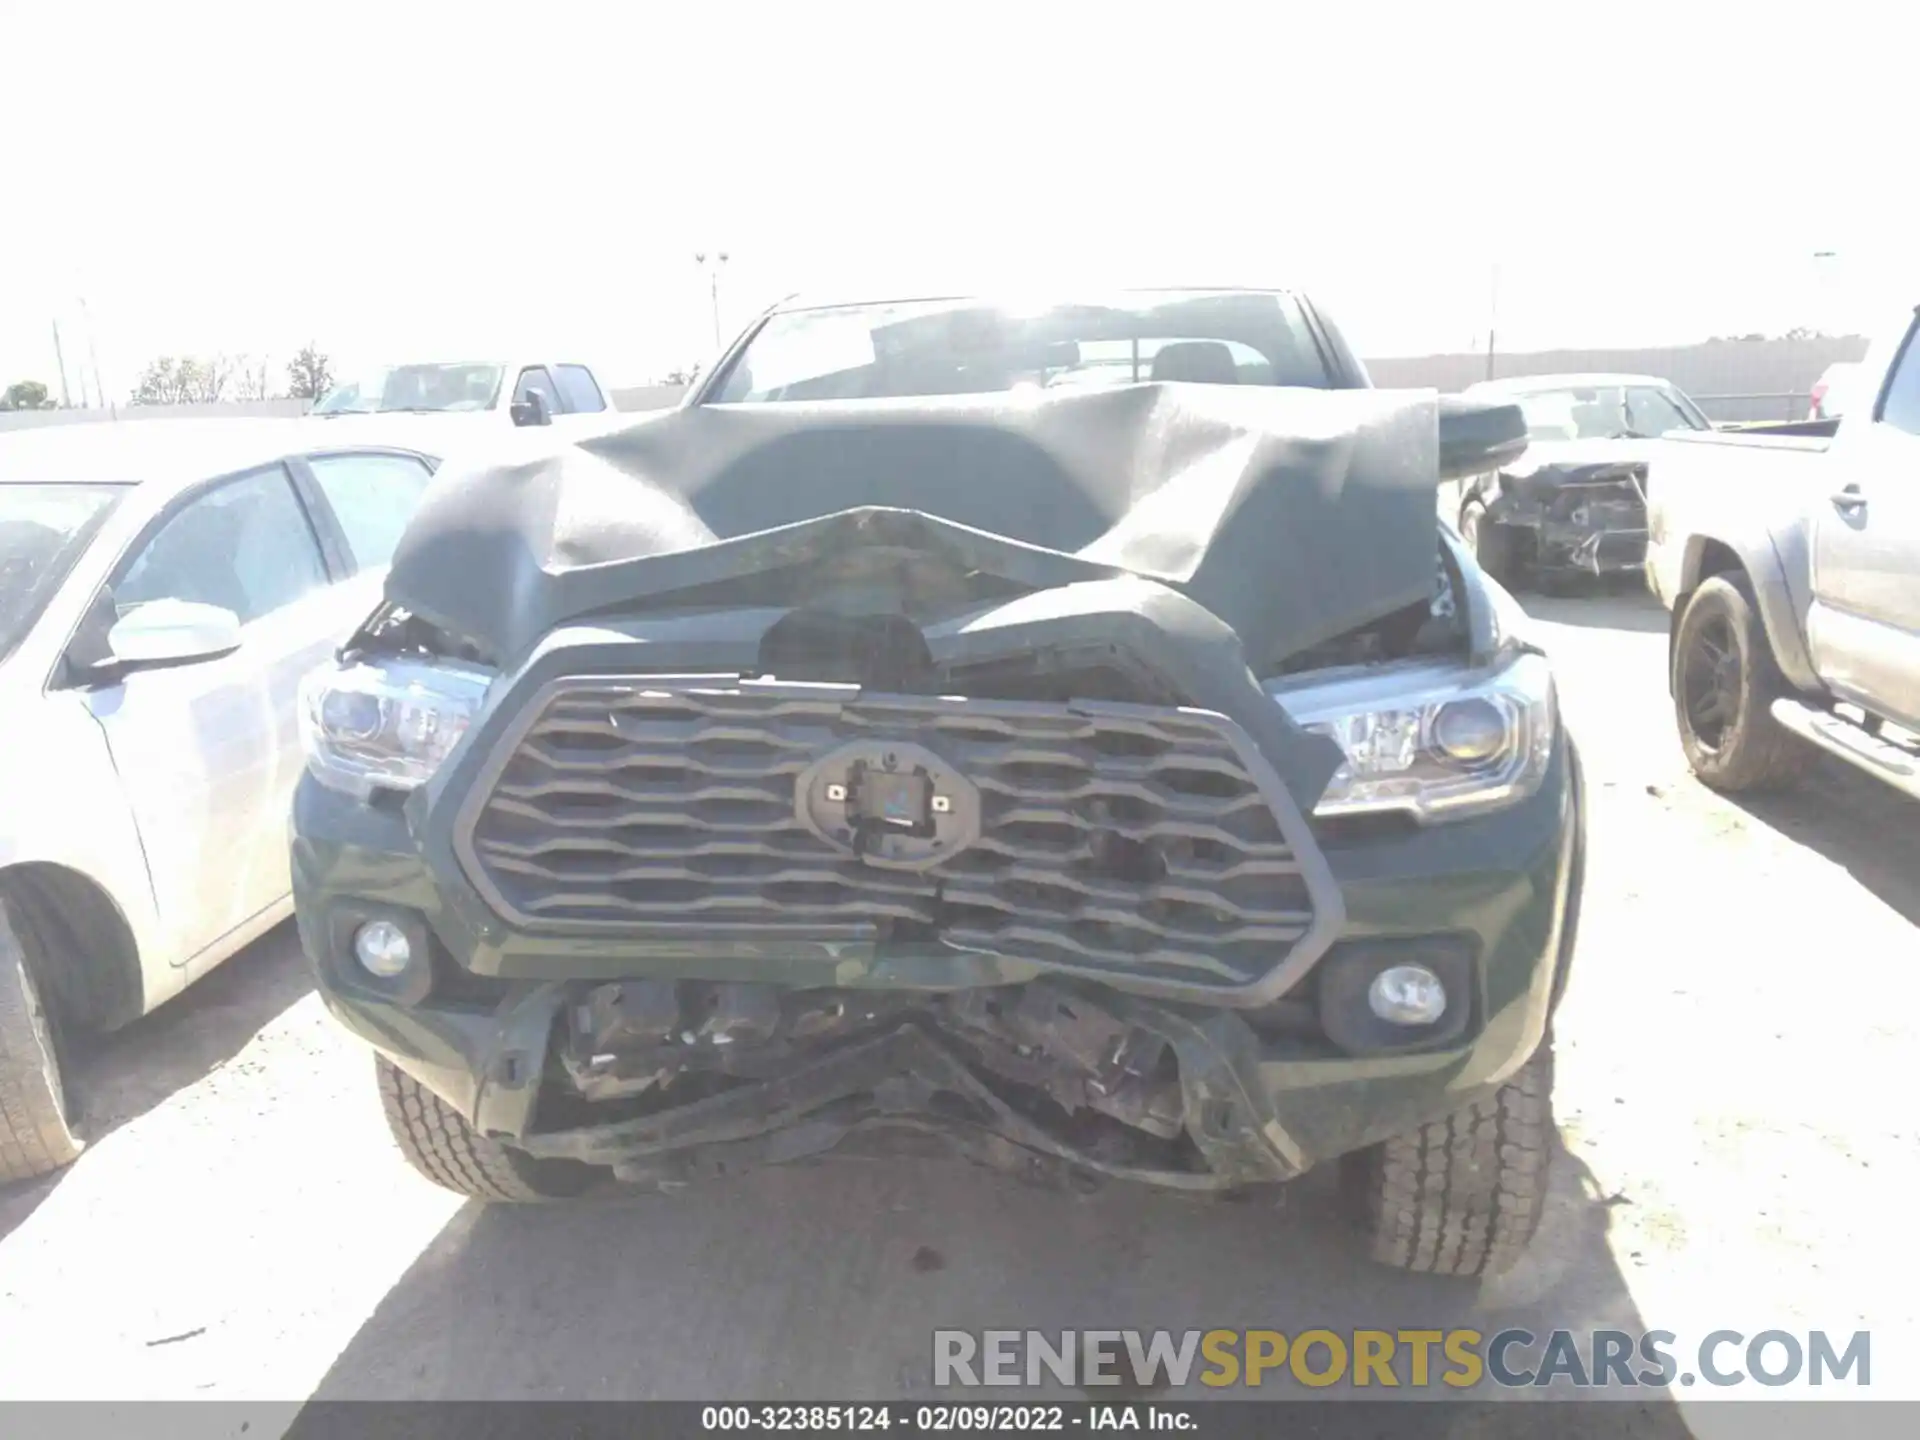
(381,948)
(1407,995)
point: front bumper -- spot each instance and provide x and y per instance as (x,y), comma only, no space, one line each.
(1588,551)
(1591,521)
(1265,1100)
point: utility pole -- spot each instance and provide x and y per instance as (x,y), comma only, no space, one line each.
(719,258)
(1493,313)
(60,359)
(93,354)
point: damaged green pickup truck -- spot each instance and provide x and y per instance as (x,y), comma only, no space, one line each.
(1058,736)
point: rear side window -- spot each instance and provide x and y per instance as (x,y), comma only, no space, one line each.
(579,389)
(244,545)
(535,377)
(373,497)
(1901,408)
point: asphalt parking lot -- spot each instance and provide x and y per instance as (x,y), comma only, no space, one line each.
(1735,1068)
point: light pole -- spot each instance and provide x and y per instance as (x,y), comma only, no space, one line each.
(1822,307)
(719,258)
(93,354)
(1493,312)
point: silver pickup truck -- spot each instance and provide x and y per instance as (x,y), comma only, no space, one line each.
(1791,566)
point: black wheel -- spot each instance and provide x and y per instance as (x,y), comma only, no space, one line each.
(38,1132)
(1463,1195)
(1725,681)
(439,1143)
(1493,545)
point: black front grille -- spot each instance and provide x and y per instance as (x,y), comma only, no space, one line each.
(1094,836)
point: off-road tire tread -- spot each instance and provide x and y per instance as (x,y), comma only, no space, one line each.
(1463,1195)
(35,1136)
(439,1143)
(1766,755)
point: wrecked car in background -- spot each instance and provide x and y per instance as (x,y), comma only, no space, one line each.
(1575,504)
(1125,780)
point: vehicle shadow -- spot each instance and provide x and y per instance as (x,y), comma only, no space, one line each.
(120,1077)
(1868,829)
(1613,605)
(827,1282)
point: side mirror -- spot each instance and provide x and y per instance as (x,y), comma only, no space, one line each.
(531,411)
(1478,435)
(172,632)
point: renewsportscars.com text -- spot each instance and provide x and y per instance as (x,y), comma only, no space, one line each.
(1456,1359)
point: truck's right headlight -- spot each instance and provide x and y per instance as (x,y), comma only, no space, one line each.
(386,725)
(1437,741)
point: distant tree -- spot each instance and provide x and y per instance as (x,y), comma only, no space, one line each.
(309,374)
(26,395)
(681,376)
(210,378)
(160,383)
(250,380)
(185,380)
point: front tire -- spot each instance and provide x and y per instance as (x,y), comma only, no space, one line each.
(38,1133)
(1725,681)
(439,1143)
(1462,1195)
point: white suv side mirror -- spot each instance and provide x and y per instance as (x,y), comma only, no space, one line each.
(173,632)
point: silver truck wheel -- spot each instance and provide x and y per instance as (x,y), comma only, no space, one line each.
(439,1143)
(1725,681)
(37,1129)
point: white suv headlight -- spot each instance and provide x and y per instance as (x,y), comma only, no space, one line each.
(385,726)
(1437,741)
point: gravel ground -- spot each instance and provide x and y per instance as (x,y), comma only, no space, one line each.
(1734,1095)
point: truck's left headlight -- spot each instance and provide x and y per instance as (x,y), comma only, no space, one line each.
(387,725)
(1439,742)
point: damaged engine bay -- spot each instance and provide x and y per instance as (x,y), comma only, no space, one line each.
(1567,517)
(1105,1087)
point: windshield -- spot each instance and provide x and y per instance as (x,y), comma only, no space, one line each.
(42,529)
(416,387)
(1608,412)
(978,346)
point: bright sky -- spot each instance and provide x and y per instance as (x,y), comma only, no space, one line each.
(429,180)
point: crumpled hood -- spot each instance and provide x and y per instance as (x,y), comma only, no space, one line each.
(1292,515)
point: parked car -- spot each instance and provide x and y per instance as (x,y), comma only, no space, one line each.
(1832,391)
(1130,781)
(1792,567)
(526,392)
(1574,505)
(163,586)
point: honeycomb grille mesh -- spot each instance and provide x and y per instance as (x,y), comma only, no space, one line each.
(1111,836)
